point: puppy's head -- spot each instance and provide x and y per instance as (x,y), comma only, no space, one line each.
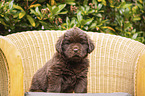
(74,44)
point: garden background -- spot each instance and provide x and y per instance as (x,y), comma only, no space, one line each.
(120,17)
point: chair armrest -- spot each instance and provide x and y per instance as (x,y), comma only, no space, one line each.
(14,67)
(140,83)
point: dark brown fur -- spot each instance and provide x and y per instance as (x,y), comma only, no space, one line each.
(67,71)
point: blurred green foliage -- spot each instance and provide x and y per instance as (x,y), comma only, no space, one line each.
(119,17)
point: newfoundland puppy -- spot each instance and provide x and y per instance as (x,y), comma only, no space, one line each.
(67,71)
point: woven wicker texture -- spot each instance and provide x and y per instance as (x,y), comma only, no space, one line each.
(36,48)
(112,64)
(3,75)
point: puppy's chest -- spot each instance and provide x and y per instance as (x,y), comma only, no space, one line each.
(69,77)
(67,73)
(72,75)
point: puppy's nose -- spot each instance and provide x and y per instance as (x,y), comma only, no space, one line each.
(75,50)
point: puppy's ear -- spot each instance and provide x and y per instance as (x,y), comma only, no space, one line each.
(58,45)
(91,45)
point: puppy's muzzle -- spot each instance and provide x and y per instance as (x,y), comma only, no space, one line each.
(75,49)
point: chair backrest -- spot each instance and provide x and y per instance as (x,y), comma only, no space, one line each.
(112,63)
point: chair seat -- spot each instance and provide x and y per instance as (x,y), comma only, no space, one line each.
(75,94)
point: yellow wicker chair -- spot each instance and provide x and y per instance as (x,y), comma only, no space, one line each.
(116,65)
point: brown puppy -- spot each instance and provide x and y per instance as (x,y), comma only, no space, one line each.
(67,71)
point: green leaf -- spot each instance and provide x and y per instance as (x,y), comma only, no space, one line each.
(50,8)
(99,15)
(67,22)
(104,2)
(35,5)
(83,22)
(91,11)
(16,15)
(1,4)
(94,2)
(41,1)
(141,1)
(57,10)
(2,22)
(127,5)
(7,19)
(82,8)
(134,9)
(53,7)
(87,8)
(61,6)
(32,11)
(99,6)
(31,20)
(51,18)
(127,24)
(11,5)
(86,27)
(43,23)
(88,21)
(140,6)
(108,28)
(14,11)
(85,2)
(135,36)
(65,12)
(73,22)
(71,3)
(18,7)
(93,25)
(136,18)
(37,10)
(22,14)
(79,16)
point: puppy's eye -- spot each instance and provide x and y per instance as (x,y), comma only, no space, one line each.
(67,42)
(83,43)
